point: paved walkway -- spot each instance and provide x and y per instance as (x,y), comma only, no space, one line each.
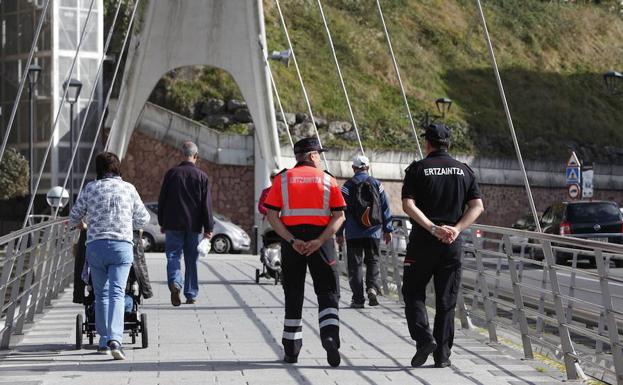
(233,336)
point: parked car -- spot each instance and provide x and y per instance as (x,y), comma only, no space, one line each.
(227,237)
(525,222)
(467,236)
(594,220)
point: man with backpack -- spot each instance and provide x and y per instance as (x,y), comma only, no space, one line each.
(367,215)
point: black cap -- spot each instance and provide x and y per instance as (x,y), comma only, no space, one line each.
(437,132)
(307,145)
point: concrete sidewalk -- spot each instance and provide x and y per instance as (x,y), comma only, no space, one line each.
(233,336)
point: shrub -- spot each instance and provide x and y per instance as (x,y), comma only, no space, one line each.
(14,177)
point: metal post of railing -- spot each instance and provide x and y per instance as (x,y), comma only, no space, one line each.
(601,329)
(571,291)
(44,247)
(383,269)
(462,311)
(15,285)
(28,280)
(540,324)
(54,262)
(519,305)
(613,331)
(47,269)
(572,368)
(486,301)
(396,272)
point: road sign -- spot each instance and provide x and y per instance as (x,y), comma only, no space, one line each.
(572,175)
(573,160)
(574,191)
(587,182)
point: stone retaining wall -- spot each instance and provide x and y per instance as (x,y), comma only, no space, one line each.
(148,159)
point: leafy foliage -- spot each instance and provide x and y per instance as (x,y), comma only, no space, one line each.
(551,56)
(14,176)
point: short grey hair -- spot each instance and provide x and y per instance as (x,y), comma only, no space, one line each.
(189,149)
(303,156)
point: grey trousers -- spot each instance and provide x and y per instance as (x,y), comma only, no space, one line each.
(360,251)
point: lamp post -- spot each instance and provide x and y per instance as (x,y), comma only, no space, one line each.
(73,87)
(33,77)
(443,106)
(614,82)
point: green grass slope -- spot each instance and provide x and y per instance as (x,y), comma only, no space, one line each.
(551,54)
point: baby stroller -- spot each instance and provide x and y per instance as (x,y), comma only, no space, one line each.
(270,256)
(137,289)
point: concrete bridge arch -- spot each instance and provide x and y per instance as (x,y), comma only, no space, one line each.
(228,35)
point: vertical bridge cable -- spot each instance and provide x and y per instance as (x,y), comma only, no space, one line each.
(283,115)
(508,116)
(90,102)
(402,88)
(20,89)
(58,114)
(110,90)
(339,72)
(298,72)
(572,367)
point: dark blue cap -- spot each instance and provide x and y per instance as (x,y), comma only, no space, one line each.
(307,145)
(436,132)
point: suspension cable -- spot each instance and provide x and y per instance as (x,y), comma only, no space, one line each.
(298,72)
(339,72)
(110,90)
(58,114)
(22,82)
(397,70)
(90,102)
(508,116)
(283,115)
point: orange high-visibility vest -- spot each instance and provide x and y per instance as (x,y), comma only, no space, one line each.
(305,195)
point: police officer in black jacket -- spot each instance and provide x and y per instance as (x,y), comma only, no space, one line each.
(442,198)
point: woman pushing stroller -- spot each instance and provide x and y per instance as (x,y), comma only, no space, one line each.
(111,208)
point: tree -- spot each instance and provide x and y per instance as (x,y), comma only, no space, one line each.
(14,178)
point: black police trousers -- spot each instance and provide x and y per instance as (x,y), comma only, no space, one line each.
(324,271)
(427,257)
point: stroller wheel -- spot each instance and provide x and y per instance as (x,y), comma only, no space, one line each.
(277,278)
(79,332)
(91,336)
(133,336)
(144,337)
(257,275)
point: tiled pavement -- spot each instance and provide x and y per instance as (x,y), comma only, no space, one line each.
(233,336)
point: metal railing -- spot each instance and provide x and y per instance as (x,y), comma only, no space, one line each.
(558,292)
(36,264)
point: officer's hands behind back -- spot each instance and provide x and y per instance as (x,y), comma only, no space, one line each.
(447,234)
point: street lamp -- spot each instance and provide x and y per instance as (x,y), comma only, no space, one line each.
(443,106)
(613,81)
(73,87)
(33,77)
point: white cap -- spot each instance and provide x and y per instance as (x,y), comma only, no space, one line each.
(361,161)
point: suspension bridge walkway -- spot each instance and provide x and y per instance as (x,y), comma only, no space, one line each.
(232,335)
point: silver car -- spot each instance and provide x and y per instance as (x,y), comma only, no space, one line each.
(227,237)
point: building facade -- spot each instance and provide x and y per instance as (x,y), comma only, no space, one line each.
(57,44)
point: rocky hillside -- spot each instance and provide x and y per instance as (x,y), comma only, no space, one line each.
(552,55)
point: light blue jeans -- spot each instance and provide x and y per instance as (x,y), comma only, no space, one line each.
(176,244)
(109,261)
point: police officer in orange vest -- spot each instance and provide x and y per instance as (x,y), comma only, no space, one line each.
(306,208)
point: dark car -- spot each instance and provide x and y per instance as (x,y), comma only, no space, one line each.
(593,220)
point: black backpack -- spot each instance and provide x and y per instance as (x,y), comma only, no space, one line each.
(366,203)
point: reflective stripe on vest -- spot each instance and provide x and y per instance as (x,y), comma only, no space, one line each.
(286,211)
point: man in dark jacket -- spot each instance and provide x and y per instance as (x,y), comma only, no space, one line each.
(362,243)
(184,212)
